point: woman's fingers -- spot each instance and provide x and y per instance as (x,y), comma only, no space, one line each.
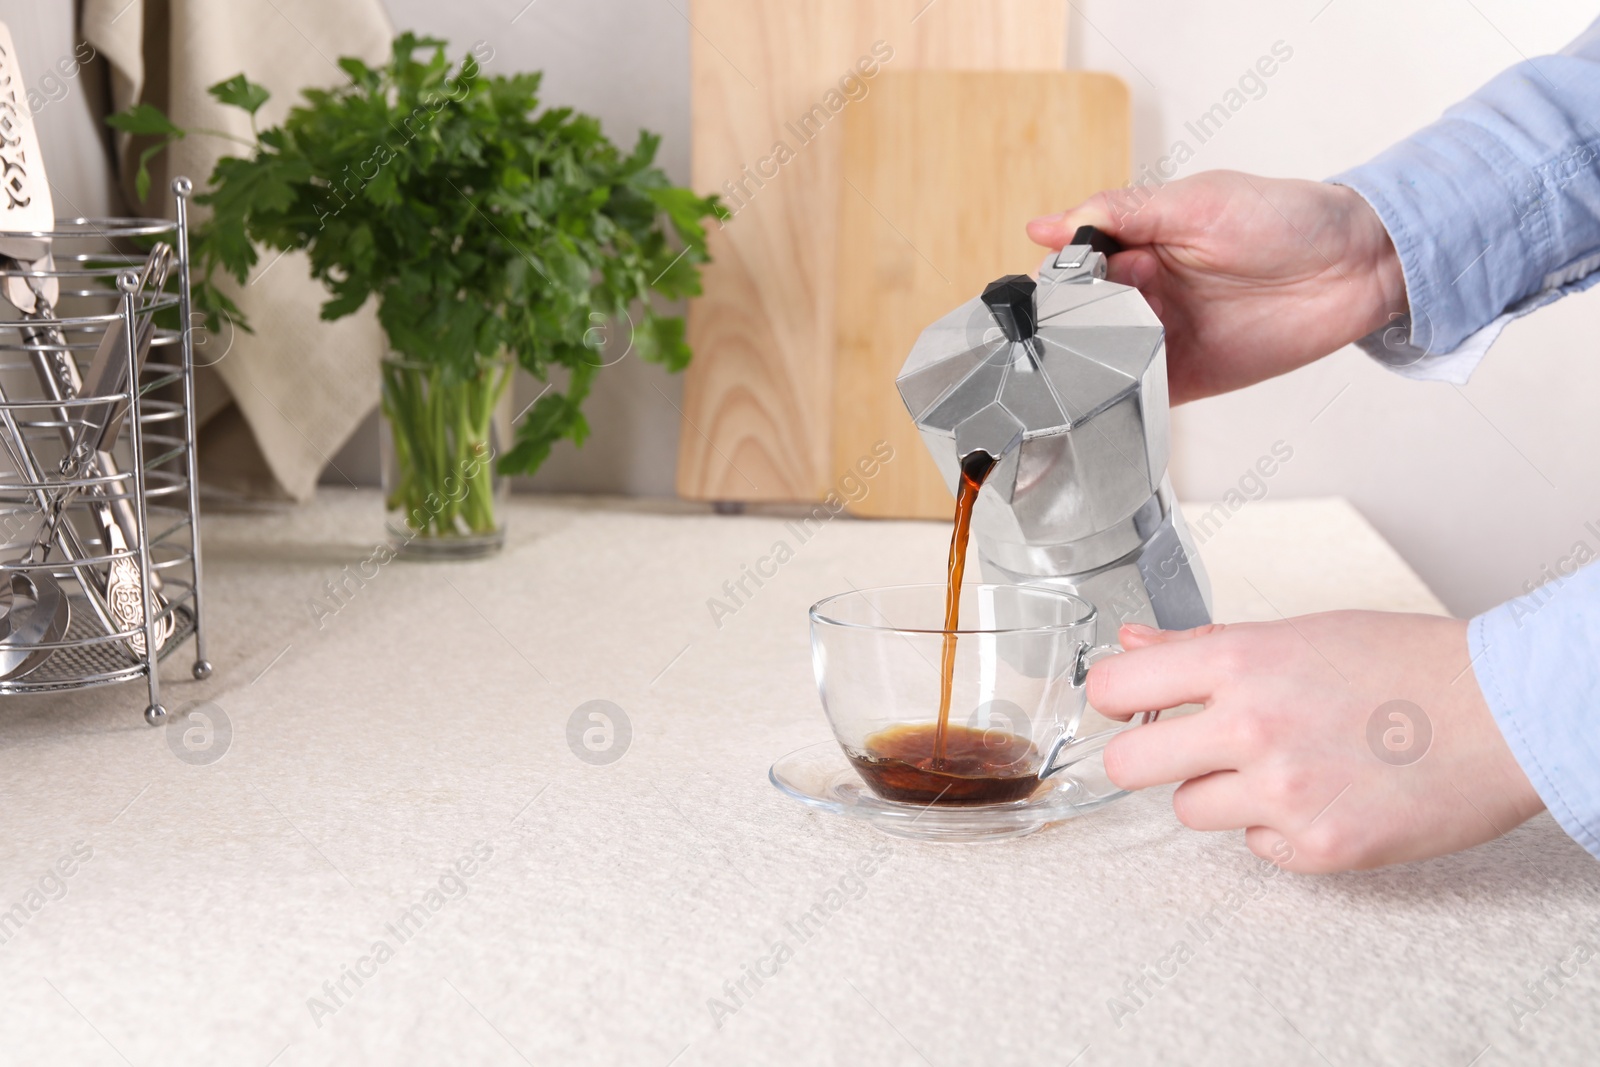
(1181,668)
(1054,231)
(1136,267)
(1169,750)
(1138,634)
(1221,800)
(1131,218)
(1269,844)
(1107,212)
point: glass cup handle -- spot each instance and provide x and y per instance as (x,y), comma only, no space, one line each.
(1069,745)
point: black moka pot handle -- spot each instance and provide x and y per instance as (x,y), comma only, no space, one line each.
(1097,240)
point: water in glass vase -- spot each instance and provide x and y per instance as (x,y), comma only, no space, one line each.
(443,430)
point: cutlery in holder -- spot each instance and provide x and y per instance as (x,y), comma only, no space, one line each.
(100,566)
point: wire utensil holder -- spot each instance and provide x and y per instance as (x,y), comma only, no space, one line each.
(99,526)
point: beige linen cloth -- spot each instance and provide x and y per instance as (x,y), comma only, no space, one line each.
(275,404)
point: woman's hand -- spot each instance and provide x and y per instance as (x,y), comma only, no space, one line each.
(1251,276)
(1360,738)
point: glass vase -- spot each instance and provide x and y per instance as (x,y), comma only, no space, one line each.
(442,434)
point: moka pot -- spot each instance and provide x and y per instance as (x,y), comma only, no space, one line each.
(1064,380)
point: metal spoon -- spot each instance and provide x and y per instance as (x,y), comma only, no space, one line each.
(45,614)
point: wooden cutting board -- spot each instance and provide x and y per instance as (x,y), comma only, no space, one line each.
(940,172)
(758,398)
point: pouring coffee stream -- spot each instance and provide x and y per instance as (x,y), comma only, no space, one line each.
(919,765)
(992,765)
(975,467)
(1010,301)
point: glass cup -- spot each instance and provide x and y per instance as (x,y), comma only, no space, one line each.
(1017,714)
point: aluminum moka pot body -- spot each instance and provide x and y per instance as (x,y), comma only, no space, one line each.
(1065,382)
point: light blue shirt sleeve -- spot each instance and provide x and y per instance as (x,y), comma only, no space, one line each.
(1495,211)
(1537,660)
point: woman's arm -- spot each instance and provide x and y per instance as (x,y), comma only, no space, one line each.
(1494,210)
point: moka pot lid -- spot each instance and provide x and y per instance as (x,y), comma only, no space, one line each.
(1049,354)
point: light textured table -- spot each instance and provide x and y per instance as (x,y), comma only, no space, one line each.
(374,747)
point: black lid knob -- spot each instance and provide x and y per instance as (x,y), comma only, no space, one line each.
(1010,301)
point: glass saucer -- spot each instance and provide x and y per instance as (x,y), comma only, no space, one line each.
(819,776)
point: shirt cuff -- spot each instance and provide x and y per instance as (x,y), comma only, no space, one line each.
(1494,210)
(1449,203)
(1537,661)
(1393,345)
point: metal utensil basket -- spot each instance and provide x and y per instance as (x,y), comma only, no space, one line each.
(152,558)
